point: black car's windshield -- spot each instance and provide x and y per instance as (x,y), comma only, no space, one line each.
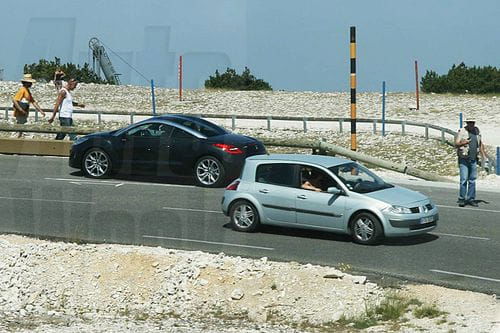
(359,179)
(204,127)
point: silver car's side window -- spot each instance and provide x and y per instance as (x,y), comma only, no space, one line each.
(282,174)
(315,179)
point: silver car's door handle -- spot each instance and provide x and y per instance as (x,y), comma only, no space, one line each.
(264,190)
(302,196)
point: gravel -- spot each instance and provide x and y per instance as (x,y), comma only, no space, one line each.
(65,287)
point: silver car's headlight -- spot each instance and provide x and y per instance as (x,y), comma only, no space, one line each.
(397,210)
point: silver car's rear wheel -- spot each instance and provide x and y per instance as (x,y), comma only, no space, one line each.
(244,216)
(366,228)
(96,163)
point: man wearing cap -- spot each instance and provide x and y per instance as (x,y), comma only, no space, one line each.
(22,99)
(469,145)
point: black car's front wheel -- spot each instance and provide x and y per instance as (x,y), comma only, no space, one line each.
(96,163)
(209,172)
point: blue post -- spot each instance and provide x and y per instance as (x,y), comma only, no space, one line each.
(498,161)
(153,96)
(461,117)
(383,108)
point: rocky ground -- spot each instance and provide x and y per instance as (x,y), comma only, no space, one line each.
(64,287)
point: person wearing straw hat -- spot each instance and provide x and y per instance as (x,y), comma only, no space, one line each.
(22,99)
(469,145)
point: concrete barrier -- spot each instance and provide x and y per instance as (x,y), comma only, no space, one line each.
(35,147)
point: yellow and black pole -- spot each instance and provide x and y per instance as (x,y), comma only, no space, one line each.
(353,89)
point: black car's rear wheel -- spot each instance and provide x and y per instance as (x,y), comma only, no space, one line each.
(209,172)
(96,163)
(244,216)
(366,229)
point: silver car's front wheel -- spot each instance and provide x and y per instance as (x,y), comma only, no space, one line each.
(96,163)
(244,216)
(209,172)
(366,228)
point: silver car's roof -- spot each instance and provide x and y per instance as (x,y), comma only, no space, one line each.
(321,160)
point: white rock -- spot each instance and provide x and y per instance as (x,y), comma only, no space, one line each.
(334,274)
(237,294)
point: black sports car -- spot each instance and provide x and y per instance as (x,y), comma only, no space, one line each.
(166,145)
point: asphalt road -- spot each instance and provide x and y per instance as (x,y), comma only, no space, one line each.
(42,196)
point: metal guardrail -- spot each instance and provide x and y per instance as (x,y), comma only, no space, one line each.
(403,123)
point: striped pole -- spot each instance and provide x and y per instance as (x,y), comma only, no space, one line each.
(353,89)
(180,78)
(416,85)
(383,108)
(153,99)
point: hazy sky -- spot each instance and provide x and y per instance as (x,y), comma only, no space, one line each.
(294,45)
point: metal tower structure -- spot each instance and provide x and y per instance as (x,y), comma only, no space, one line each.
(100,57)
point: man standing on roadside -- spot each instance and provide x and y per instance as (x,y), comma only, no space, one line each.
(469,145)
(21,101)
(64,104)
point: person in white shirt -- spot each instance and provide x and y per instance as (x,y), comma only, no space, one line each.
(64,105)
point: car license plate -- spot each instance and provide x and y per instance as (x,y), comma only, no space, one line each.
(427,219)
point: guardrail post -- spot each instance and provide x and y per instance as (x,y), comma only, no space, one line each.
(6,113)
(498,162)
(233,122)
(36,115)
(268,123)
(132,118)
(340,125)
(442,135)
(460,120)
(98,118)
(374,126)
(403,127)
(426,132)
(305,124)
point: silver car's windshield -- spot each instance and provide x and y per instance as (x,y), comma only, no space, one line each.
(359,179)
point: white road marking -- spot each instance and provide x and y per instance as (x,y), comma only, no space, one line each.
(462,236)
(465,275)
(472,209)
(207,242)
(48,200)
(193,210)
(114,183)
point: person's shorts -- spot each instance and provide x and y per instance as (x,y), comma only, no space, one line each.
(21,119)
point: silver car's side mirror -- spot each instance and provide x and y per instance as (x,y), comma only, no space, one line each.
(334,190)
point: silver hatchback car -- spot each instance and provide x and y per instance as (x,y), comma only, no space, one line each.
(324,193)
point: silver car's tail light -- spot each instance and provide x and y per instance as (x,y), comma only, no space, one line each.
(233,186)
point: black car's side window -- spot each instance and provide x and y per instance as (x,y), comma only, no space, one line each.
(276,174)
(181,134)
(150,130)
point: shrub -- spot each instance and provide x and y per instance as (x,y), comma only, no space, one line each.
(44,71)
(232,81)
(462,79)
